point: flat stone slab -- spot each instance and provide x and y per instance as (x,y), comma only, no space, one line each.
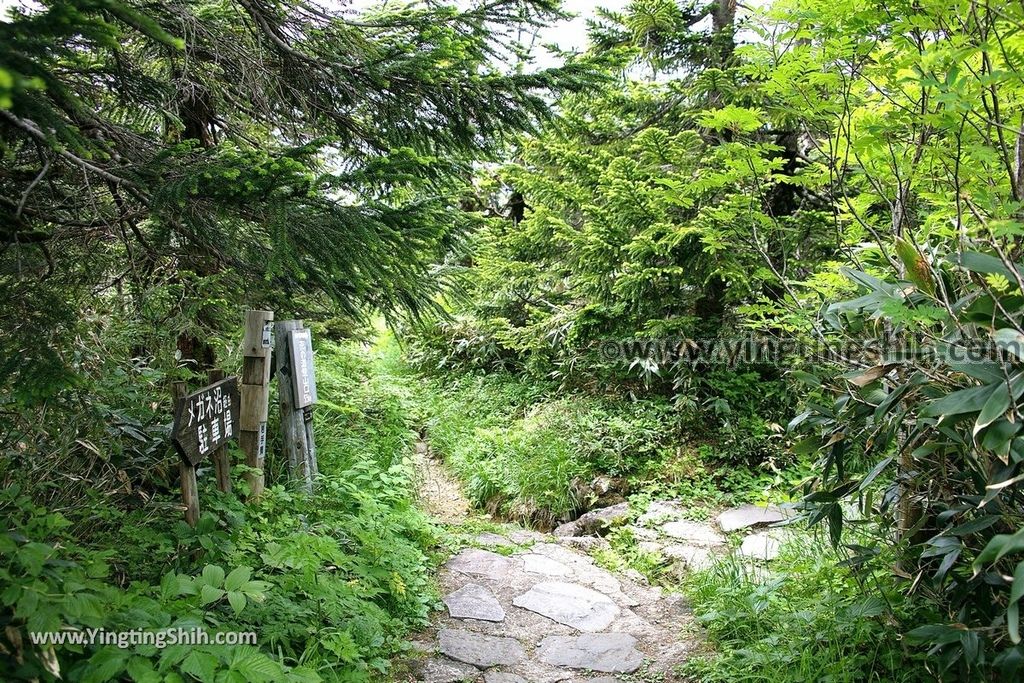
(478,562)
(761,546)
(491,540)
(693,532)
(478,649)
(502,677)
(694,557)
(749,515)
(441,670)
(660,511)
(602,519)
(605,652)
(539,564)
(474,602)
(570,604)
(584,543)
(526,536)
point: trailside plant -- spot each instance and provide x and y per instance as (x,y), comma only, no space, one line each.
(925,438)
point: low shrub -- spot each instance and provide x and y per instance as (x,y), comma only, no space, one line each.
(804,618)
(330,583)
(532,456)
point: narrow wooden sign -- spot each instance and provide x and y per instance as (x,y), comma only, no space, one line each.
(303,377)
(206,419)
(296,395)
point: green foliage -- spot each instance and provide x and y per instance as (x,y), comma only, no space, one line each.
(533,456)
(849,182)
(652,218)
(330,584)
(931,431)
(803,619)
(279,146)
(921,428)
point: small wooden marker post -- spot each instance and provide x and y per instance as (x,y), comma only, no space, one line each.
(189,486)
(296,387)
(255,390)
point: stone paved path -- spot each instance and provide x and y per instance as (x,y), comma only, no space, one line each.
(527,607)
(548,613)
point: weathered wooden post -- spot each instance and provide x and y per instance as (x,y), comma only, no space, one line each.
(204,421)
(255,390)
(221,462)
(296,388)
(189,485)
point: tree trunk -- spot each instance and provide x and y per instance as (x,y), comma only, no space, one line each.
(723,26)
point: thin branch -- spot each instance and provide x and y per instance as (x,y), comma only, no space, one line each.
(32,129)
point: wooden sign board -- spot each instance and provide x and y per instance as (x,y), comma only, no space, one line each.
(206,419)
(303,378)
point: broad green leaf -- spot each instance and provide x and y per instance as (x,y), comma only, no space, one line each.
(254,665)
(998,437)
(977,262)
(975,525)
(237,577)
(959,402)
(938,634)
(998,547)
(213,575)
(986,372)
(970,643)
(208,594)
(875,471)
(237,601)
(1013,622)
(1009,340)
(142,670)
(1017,589)
(107,664)
(301,674)
(999,402)
(202,665)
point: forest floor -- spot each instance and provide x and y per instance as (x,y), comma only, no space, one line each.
(528,606)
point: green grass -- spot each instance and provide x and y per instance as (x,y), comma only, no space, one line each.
(806,621)
(527,450)
(528,454)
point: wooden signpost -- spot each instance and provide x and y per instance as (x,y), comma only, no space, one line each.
(297,394)
(232,407)
(255,389)
(204,421)
(303,379)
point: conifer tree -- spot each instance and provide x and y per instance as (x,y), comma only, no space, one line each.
(295,152)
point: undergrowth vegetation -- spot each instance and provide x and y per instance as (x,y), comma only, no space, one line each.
(527,452)
(727,254)
(329,584)
(804,618)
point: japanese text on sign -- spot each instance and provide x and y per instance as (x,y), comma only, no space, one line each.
(205,420)
(303,378)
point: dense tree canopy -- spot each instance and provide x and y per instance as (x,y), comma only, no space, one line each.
(285,149)
(574,257)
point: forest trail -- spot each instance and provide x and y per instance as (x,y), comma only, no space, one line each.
(529,607)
